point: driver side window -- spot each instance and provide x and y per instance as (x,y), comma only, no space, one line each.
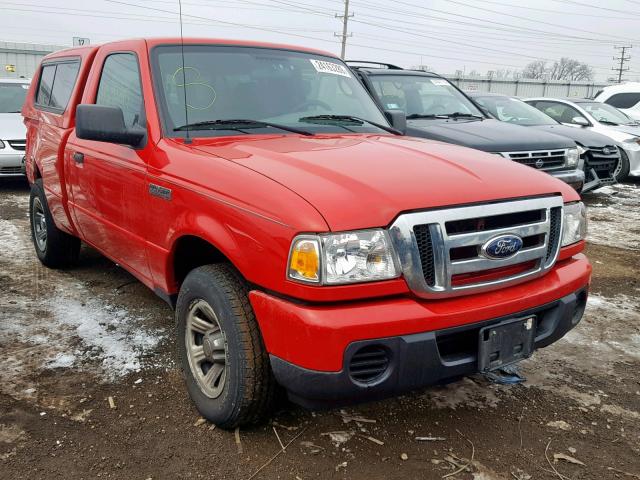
(560,112)
(120,87)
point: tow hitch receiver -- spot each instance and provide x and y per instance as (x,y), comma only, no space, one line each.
(505,343)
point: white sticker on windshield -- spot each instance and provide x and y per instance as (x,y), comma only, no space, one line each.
(330,67)
(440,82)
(26,87)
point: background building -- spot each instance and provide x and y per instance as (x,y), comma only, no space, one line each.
(21,59)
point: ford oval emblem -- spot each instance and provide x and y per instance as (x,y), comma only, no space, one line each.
(504,246)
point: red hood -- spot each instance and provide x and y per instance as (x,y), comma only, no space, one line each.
(366,181)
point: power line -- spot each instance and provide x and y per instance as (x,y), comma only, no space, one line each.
(622,59)
(519,17)
(477,19)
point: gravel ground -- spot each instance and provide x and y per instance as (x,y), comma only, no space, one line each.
(89,387)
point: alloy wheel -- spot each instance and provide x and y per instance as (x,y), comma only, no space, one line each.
(206,347)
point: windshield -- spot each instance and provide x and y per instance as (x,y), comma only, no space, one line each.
(603,112)
(12,96)
(266,85)
(511,110)
(421,95)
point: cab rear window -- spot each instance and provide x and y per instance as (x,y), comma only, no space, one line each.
(56,84)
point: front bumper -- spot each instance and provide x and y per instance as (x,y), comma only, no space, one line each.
(11,162)
(418,360)
(575,178)
(311,345)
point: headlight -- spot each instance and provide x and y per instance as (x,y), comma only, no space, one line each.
(581,150)
(339,258)
(1,144)
(574,226)
(572,157)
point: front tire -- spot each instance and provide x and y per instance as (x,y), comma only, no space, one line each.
(55,248)
(225,364)
(622,169)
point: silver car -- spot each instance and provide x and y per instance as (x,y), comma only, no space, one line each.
(601,118)
(12,130)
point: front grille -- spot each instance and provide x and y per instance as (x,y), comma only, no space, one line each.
(369,364)
(425,246)
(604,164)
(540,159)
(441,251)
(18,144)
(555,225)
(10,170)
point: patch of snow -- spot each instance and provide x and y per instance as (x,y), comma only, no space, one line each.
(614,219)
(61,360)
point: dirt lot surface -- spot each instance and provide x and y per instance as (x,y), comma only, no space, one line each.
(89,387)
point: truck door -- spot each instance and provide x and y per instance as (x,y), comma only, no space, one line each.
(110,180)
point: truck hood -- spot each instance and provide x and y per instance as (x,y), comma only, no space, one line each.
(12,127)
(584,137)
(488,135)
(362,181)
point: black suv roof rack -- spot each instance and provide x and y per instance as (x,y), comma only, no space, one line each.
(389,66)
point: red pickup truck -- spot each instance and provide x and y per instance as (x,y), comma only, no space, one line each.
(304,242)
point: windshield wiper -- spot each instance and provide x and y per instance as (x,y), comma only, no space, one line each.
(607,122)
(463,115)
(416,116)
(238,124)
(350,119)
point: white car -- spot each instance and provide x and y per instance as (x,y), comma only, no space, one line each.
(13,133)
(625,97)
(601,118)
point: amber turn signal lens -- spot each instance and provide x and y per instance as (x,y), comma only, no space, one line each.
(305,260)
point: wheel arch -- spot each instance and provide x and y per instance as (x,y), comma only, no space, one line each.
(189,251)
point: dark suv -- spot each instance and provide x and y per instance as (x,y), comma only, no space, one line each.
(438,110)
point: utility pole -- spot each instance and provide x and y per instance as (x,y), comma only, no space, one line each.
(622,59)
(345,20)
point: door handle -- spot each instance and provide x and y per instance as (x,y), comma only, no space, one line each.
(78,157)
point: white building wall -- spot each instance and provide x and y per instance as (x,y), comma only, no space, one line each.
(25,57)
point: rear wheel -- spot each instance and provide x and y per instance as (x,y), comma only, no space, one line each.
(55,248)
(225,364)
(622,169)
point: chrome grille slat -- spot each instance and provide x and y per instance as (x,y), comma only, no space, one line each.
(480,264)
(464,239)
(539,159)
(537,258)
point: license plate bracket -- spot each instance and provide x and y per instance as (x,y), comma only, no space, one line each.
(506,343)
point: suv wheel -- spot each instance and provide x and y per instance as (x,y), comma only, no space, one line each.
(225,364)
(55,248)
(622,169)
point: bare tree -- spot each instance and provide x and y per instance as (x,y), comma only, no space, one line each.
(563,69)
(536,69)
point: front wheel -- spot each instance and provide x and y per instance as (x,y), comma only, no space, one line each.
(222,354)
(622,169)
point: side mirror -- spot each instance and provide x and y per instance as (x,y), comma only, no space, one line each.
(583,122)
(397,119)
(106,124)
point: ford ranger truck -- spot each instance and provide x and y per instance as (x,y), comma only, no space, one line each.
(304,243)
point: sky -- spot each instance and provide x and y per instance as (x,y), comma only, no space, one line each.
(445,35)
